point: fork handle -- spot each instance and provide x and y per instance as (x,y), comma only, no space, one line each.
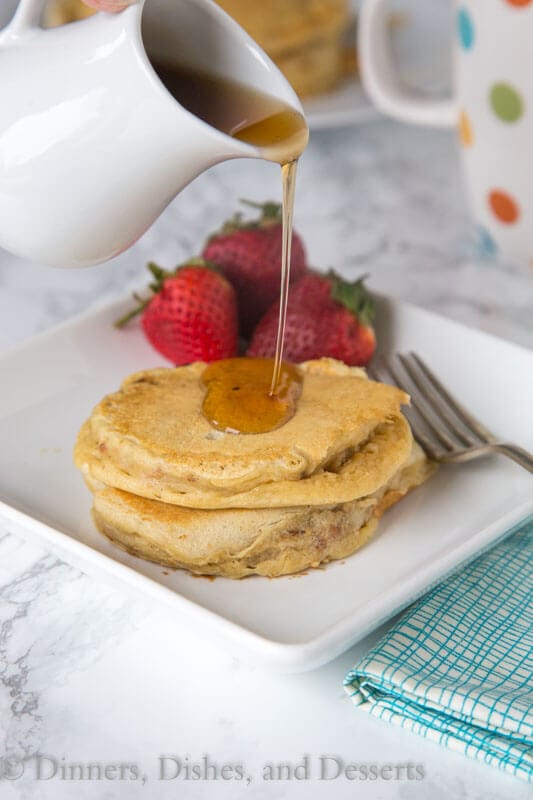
(517,454)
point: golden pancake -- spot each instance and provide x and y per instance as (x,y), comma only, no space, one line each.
(345,440)
(235,543)
(347,477)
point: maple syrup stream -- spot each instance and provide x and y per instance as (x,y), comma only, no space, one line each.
(288,176)
(246,397)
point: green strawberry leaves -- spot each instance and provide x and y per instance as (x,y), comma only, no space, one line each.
(271,214)
(270,211)
(354,296)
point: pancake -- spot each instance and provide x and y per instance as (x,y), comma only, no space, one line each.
(236,543)
(347,477)
(345,440)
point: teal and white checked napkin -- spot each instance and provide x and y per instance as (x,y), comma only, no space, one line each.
(458,666)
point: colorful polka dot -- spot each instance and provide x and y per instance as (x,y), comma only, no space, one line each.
(506,102)
(519,3)
(465,28)
(503,206)
(486,244)
(465,129)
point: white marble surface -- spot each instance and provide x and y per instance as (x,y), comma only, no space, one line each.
(88,674)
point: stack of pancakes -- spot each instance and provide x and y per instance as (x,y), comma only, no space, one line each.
(170,488)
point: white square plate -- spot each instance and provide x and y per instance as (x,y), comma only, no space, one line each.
(49,386)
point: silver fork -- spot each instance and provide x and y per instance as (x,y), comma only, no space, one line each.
(442,426)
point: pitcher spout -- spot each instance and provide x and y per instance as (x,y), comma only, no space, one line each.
(222,77)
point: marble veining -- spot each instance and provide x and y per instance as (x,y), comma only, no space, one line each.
(90,674)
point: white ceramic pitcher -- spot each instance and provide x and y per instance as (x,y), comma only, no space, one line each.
(92,145)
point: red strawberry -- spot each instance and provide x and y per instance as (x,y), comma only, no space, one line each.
(249,255)
(192,314)
(326,316)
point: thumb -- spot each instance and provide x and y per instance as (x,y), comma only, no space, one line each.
(109,5)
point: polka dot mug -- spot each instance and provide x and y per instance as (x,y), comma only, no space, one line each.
(492,109)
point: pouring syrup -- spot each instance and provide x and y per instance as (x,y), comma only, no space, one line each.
(249,395)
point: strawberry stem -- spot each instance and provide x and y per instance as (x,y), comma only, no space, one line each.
(133,313)
(159,274)
(157,284)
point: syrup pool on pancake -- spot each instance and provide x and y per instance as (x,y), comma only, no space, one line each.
(239,398)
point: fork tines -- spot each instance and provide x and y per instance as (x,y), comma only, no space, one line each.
(439,422)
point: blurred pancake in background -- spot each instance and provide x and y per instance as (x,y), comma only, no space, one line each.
(60,12)
(305,38)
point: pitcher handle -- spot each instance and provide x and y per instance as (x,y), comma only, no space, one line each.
(380,78)
(27,15)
